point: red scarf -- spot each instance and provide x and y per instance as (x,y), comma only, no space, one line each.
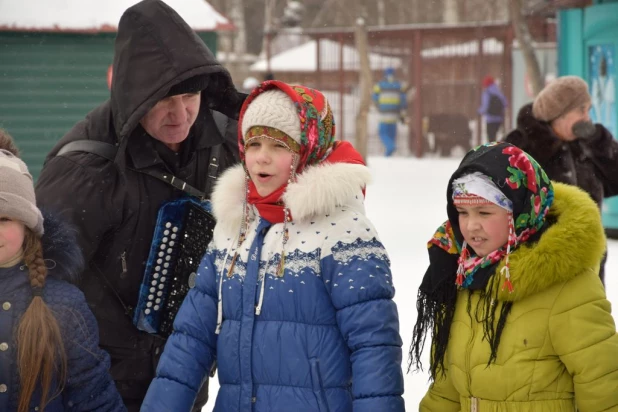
(271,207)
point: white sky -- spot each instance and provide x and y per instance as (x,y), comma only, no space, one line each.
(93,14)
(406,203)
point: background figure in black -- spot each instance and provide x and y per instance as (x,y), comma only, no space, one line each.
(557,131)
(166,93)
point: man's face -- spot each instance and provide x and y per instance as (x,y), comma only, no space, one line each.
(170,120)
(578,117)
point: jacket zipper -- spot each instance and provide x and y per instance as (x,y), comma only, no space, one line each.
(474,404)
(123,261)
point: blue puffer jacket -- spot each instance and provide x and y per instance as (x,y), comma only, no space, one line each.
(89,386)
(323,337)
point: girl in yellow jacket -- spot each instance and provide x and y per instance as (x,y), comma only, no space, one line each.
(518,317)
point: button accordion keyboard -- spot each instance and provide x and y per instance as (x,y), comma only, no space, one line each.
(184,229)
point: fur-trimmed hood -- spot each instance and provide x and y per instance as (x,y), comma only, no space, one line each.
(574,243)
(61,252)
(318,190)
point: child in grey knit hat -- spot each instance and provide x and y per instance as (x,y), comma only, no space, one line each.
(49,338)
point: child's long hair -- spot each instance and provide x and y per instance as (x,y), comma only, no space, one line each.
(40,350)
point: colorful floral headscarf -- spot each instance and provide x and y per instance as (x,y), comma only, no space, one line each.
(317,124)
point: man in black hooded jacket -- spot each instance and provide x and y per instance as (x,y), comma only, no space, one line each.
(167,90)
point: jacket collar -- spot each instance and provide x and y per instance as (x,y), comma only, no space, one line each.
(574,243)
(319,190)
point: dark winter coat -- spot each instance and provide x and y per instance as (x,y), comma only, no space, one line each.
(113,204)
(591,164)
(89,386)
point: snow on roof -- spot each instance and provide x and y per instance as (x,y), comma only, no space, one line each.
(303,59)
(490,46)
(97,15)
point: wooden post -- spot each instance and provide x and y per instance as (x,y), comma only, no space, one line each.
(507,77)
(480,73)
(366,85)
(340,126)
(318,64)
(268,52)
(418,95)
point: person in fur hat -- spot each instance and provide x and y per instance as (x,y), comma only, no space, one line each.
(294,297)
(49,354)
(518,317)
(557,131)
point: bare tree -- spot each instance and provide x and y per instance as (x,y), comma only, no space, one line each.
(237,15)
(522,33)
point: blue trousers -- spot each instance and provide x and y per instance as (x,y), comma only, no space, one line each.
(388,135)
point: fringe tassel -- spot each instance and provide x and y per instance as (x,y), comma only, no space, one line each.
(281,265)
(507,279)
(461,271)
(230,271)
(506,269)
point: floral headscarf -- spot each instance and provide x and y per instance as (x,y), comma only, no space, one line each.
(317,125)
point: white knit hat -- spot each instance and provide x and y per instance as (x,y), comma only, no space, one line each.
(17,198)
(275,109)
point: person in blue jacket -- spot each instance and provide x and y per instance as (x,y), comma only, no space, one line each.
(390,99)
(293,298)
(493,107)
(49,355)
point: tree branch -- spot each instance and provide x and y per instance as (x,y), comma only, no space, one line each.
(522,33)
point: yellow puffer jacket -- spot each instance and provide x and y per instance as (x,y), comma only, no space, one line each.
(559,347)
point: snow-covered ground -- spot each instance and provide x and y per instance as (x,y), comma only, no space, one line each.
(407,202)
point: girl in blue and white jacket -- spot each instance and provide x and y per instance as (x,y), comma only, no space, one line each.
(293,299)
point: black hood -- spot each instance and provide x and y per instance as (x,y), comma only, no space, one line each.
(156,49)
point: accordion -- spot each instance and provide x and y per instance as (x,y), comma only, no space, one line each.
(182,233)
